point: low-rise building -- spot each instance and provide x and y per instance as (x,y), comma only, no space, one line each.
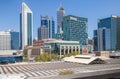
(7,52)
(85,59)
(62,47)
(102,53)
(115,54)
(32,51)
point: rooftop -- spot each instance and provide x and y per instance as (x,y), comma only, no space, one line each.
(62,41)
(85,59)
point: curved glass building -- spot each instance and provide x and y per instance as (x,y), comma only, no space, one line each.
(26,26)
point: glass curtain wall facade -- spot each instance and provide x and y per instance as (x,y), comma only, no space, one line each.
(44,21)
(75,29)
(26,26)
(14,40)
(103,39)
(51,28)
(112,23)
(60,15)
(95,40)
(118,33)
(47,27)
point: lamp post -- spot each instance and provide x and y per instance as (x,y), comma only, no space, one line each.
(60,52)
(50,52)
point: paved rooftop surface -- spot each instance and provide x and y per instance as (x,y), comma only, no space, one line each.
(52,69)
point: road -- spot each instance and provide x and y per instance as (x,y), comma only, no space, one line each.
(46,70)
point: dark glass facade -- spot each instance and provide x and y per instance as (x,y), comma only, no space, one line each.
(14,40)
(20,31)
(51,29)
(44,22)
(112,23)
(104,23)
(95,40)
(118,34)
(29,32)
(48,27)
(75,29)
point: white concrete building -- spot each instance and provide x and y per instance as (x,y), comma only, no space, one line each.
(26,26)
(85,59)
(62,47)
(5,40)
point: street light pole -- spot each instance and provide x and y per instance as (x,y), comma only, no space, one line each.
(50,52)
(60,52)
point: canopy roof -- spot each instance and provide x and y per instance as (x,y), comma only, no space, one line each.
(84,59)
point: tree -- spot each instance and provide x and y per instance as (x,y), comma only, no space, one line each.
(46,57)
(25,59)
(72,54)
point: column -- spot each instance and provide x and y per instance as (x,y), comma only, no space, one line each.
(72,49)
(60,51)
(64,49)
(68,49)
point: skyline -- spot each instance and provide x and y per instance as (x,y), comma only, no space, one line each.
(10,11)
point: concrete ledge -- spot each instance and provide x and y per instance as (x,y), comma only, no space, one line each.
(114,74)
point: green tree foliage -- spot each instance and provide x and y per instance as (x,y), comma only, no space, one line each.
(66,72)
(25,59)
(46,57)
(72,54)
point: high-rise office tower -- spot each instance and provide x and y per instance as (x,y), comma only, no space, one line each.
(26,26)
(15,43)
(9,40)
(42,33)
(60,15)
(47,28)
(95,38)
(113,24)
(75,29)
(44,21)
(103,36)
(51,28)
(5,40)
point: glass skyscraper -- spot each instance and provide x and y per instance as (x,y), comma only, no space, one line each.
(44,21)
(51,28)
(110,23)
(103,39)
(47,28)
(42,33)
(95,38)
(60,15)
(14,40)
(75,29)
(113,24)
(26,26)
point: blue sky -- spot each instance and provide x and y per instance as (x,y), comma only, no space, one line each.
(91,9)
